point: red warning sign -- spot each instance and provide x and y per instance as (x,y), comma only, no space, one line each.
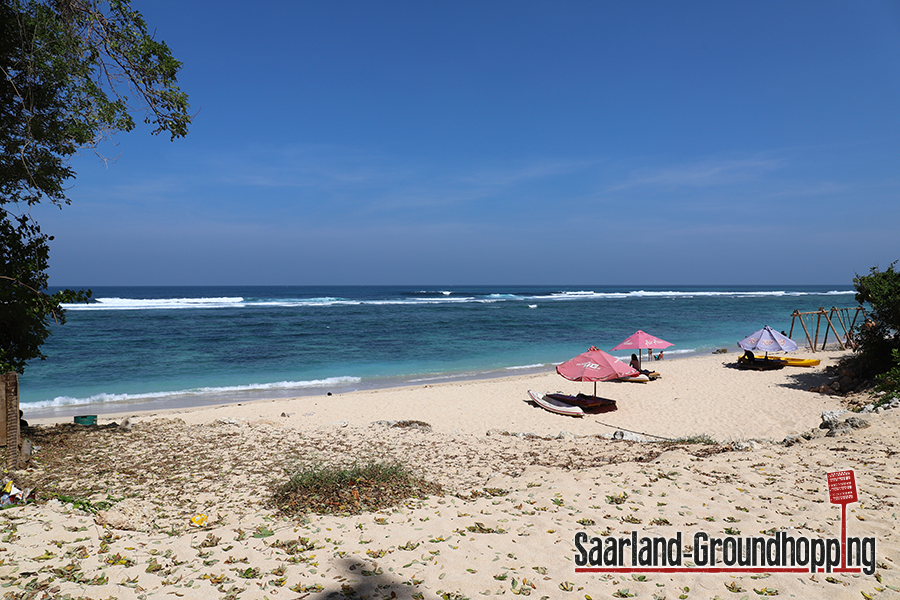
(842,487)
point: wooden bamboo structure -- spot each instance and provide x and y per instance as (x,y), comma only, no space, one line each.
(9,413)
(841,315)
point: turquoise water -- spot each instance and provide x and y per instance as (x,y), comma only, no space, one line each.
(181,346)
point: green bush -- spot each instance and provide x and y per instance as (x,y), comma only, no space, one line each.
(889,381)
(879,336)
(351,490)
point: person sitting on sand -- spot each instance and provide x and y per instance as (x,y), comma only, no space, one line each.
(748,357)
(636,365)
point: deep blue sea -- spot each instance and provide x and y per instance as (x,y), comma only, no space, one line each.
(181,346)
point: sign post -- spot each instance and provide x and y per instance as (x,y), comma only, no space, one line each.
(842,490)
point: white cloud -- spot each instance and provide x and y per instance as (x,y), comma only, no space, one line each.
(705,173)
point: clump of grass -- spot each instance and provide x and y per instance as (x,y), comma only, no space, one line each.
(353,490)
(692,439)
(412,424)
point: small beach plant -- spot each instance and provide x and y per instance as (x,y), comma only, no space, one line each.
(693,439)
(340,490)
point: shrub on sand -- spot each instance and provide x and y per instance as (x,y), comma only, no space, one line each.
(335,490)
(692,439)
(879,335)
(889,382)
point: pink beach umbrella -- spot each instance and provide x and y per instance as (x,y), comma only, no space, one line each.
(595,365)
(640,341)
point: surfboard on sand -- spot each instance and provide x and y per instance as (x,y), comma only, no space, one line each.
(791,361)
(555,406)
(640,378)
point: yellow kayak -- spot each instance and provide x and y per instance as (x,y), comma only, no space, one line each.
(793,362)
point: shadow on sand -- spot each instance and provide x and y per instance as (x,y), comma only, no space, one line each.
(364,579)
(801,378)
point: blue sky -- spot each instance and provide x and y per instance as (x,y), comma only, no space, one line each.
(501,143)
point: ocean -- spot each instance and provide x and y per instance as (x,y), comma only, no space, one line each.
(166,347)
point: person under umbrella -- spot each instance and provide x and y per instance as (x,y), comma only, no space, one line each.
(595,365)
(766,340)
(639,341)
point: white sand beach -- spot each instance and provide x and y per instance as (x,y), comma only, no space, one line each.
(519,484)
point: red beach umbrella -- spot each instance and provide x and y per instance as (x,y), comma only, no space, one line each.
(595,365)
(640,341)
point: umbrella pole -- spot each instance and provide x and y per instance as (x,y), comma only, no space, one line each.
(595,389)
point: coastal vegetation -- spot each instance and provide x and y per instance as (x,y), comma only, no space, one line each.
(878,339)
(339,490)
(72,74)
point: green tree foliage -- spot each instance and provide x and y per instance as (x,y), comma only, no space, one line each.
(889,381)
(26,311)
(72,72)
(879,337)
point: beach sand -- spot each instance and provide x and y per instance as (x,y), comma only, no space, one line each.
(519,484)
